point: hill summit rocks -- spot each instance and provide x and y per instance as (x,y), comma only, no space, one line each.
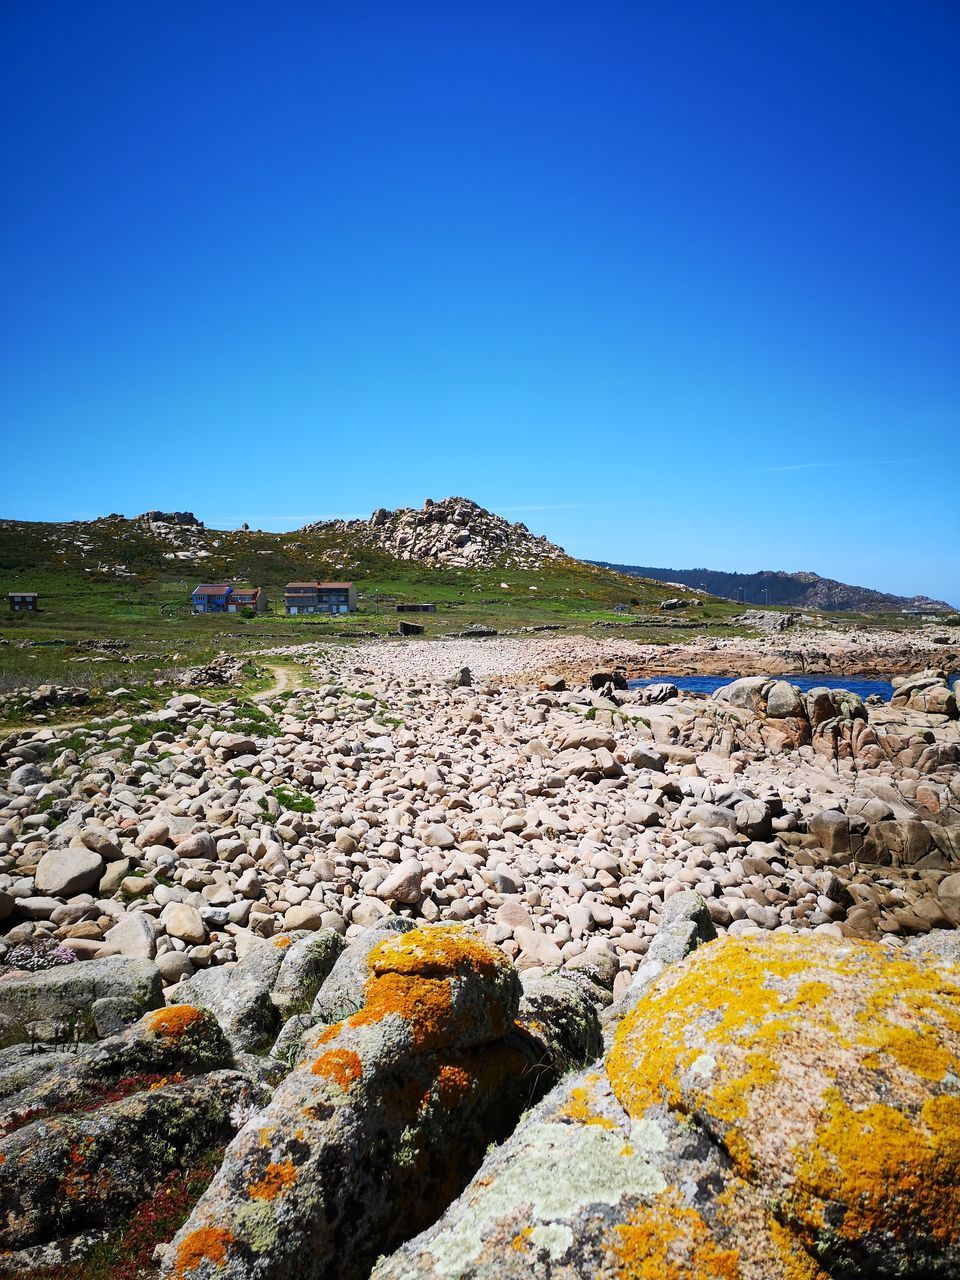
(454,531)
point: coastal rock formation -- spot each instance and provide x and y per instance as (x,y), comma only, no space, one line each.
(469,889)
(927,691)
(384,1120)
(775,1107)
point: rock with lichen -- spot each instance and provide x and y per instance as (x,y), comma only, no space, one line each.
(830,1071)
(305,967)
(174,1042)
(67,993)
(559,1013)
(343,991)
(773,1108)
(69,1172)
(241,996)
(581,1189)
(382,1123)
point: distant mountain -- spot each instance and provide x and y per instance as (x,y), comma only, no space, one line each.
(793,590)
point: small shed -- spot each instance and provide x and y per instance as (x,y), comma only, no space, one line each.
(411,628)
(416,608)
(23,601)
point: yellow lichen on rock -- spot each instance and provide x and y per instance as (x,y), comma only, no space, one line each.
(879,1170)
(829,1070)
(579,1107)
(668,1241)
(437,952)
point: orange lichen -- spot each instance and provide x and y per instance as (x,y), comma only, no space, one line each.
(519,1242)
(173,1022)
(282,943)
(453,1084)
(579,1110)
(277,1178)
(328,1034)
(206,1244)
(411,977)
(885,1172)
(342,1066)
(425,1003)
(667,1241)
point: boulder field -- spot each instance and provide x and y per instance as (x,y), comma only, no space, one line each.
(460,977)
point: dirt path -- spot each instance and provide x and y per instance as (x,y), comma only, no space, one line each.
(285,676)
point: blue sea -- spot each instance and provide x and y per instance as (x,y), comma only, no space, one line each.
(707,684)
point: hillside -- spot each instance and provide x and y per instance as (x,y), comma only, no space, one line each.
(115,592)
(450,546)
(796,590)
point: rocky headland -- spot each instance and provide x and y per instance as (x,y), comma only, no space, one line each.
(273,982)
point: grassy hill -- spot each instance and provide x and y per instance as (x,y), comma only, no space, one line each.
(130,581)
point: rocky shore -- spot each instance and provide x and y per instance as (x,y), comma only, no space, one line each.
(367,925)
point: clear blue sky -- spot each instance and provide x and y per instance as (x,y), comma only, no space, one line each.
(674,283)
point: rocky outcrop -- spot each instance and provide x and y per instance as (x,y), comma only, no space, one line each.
(454,531)
(927,691)
(69,993)
(771,1108)
(275,980)
(170,517)
(388,1113)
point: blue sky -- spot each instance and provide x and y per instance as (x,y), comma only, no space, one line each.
(672,283)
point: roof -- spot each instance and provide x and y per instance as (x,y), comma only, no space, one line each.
(301,586)
(212,589)
(338,586)
(22,593)
(247,591)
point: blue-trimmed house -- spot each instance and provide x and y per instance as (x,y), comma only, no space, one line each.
(212,597)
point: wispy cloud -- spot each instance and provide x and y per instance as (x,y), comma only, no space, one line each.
(841,466)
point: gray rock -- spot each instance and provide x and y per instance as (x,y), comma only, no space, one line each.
(113,1014)
(342,993)
(135,935)
(63,873)
(305,967)
(28,775)
(69,991)
(940,944)
(557,1012)
(239,995)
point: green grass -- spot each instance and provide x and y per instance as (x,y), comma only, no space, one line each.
(294,801)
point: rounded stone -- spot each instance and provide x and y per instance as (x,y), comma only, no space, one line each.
(829,1071)
(62,873)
